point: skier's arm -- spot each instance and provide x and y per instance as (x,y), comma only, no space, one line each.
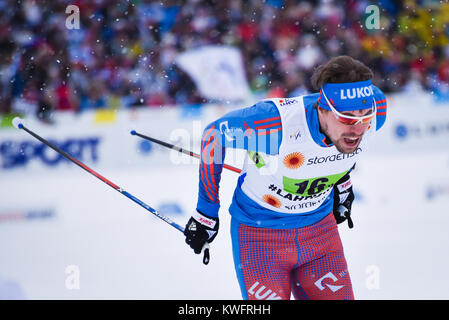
(256,128)
(381,103)
(247,129)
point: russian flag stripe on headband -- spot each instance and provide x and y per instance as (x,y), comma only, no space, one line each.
(347,96)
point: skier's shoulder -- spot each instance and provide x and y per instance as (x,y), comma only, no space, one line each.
(381,105)
(309,99)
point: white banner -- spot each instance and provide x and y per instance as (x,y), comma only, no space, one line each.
(413,125)
(101,139)
(217,71)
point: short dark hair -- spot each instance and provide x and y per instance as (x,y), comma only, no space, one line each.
(340,69)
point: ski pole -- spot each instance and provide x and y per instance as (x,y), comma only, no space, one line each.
(171,146)
(17,122)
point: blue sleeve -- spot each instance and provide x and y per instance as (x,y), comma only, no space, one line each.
(256,128)
(381,103)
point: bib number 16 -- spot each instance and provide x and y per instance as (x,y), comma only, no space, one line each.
(312,186)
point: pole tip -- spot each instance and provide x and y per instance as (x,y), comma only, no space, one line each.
(17,122)
(133,132)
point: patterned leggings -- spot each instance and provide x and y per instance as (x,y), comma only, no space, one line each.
(274,263)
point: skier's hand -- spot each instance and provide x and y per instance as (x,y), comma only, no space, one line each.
(343,198)
(199,230)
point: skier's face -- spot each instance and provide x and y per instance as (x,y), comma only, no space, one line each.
(346,138)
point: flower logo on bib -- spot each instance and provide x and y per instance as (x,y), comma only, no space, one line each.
(272,200)
(294,160)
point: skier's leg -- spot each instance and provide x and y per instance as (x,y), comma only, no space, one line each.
(263,260)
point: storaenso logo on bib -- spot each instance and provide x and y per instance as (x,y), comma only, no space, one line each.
(334,157)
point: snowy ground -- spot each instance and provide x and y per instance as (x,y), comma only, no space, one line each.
(397,250)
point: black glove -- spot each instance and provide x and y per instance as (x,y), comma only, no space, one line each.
(343,197)
(199,230)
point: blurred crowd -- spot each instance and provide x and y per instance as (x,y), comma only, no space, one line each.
(123,53)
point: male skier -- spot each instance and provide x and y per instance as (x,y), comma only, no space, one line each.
(294,187)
